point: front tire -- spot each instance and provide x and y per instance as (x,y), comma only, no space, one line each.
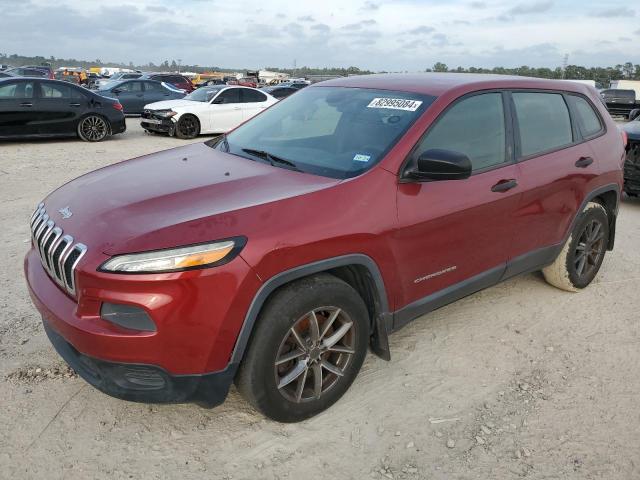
(307,348)
(188,127)
(93,128)
(582,255)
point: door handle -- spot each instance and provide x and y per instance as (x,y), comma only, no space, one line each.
(584,162)
(504,185)
(26,104)
(236,108)
(74,104)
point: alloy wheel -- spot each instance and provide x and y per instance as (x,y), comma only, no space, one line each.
(94,128)
(314,354)
(188,127)
(589,249)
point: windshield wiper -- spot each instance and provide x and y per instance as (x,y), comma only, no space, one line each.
(272,159)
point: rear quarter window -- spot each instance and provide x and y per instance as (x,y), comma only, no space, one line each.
(588,119)
(543,121)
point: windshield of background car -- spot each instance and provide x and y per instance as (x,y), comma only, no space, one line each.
(204,94)
(335,132)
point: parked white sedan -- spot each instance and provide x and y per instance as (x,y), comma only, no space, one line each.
(215,109)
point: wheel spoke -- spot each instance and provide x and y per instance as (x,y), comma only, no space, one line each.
(327,325)
(296,336)
(581,264)
(594,232)
(314,329)
(341,349)
(301,383)
(581,247)
(287,357)
(295,372)
(317,380)
(337,335)
(332,368)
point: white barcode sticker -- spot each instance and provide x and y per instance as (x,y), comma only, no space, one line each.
(395,104)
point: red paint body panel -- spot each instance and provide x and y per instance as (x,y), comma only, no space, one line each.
(196,194)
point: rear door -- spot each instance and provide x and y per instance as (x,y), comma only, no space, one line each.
(131,96)
(557,170)
(225,112)
(17,115)
(253,102)
(59,108)
(456,233)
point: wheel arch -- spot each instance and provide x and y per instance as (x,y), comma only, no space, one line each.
(358,270)
(609,197)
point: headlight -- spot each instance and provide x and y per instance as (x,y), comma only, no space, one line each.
(166,113)
(176,259)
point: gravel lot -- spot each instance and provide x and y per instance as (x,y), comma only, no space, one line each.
(521,380)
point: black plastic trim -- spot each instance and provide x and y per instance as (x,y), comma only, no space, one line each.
(207,390)
(447,295)
(299,272)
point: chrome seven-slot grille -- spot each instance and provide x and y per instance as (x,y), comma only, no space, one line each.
(58,253)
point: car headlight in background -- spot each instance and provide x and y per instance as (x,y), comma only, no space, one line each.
(176,259)
(166,113)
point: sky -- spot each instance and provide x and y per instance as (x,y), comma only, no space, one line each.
(381,35)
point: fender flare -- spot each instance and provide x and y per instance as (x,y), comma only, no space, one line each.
(296,273)
(612,187)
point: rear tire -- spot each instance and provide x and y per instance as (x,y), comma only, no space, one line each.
(582,255)
(293,370)
(188,127)
(93,128)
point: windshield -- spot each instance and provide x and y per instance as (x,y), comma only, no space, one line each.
(330,131)
(203,94)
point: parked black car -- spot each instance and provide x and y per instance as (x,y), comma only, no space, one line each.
(33,107)
(279,91)
(632,162)
(37,72)
(135,94)
(5,75)
(618,101)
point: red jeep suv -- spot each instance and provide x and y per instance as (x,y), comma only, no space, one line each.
(275,255)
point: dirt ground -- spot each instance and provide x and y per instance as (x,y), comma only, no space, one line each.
(521,380)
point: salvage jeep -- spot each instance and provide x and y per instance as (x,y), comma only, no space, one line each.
(276,255)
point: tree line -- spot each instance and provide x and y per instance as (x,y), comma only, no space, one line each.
(601,75)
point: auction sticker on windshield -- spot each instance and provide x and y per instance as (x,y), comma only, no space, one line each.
(395,104)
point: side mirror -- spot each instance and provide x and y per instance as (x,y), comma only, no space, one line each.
(635,113)
(439,164)
(117,91)
(218,101)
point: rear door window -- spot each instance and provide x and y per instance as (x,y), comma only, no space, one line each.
(474,126)
(543,121)
(134,87)
(588,119)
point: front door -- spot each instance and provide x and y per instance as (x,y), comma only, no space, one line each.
(17,115)
(225,112)
(131,96)
(455,234)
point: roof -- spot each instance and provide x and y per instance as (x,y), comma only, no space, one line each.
(436,84)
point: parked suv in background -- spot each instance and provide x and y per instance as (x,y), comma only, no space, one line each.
(619,102)
(632,162)
(179,81)
(273,256)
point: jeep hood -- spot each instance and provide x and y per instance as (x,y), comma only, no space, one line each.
(175,197)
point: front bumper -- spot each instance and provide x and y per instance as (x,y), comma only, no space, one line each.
(148,121)
(144,383)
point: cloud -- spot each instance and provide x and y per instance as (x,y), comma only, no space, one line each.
(321,28)
(306,18)
(478,5)
(531,8)
(615,12)
(370,6)
(422,30)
